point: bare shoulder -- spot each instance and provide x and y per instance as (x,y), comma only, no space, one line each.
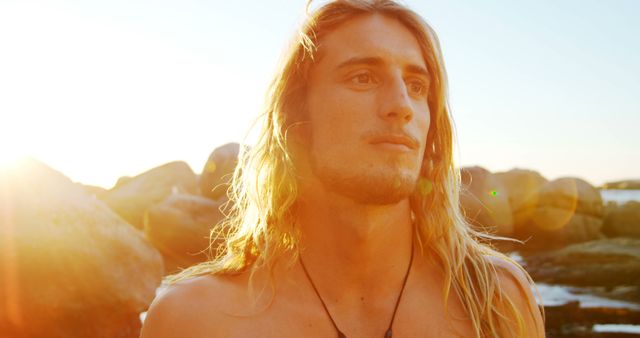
(519,291)
(191,308)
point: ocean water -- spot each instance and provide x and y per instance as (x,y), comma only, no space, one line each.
(555,295)
(620,196)
(618,328)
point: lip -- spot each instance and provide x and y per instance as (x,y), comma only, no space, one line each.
(395,140)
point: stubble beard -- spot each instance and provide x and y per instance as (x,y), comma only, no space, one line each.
(379,186)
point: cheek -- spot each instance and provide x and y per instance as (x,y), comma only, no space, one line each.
(422,124)
(425,124)
(335,116)
(422,117)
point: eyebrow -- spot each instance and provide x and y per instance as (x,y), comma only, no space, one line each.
(377,61)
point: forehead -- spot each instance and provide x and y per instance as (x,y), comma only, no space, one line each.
(371,35)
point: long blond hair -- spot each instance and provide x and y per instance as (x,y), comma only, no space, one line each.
(259,227)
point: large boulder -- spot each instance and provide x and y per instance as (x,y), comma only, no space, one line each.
(131,197)
(523,190)
(568,210)
(622,220)
(122,181)
(69,266)
(606,262)
(180,227)
(484,201)
(218,171)
(92,190)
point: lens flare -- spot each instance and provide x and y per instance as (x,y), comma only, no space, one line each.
(558,210)
(425,186)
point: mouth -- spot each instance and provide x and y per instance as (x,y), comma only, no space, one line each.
(395,141)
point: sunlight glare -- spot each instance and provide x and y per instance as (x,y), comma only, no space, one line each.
(11,156)
(10,292)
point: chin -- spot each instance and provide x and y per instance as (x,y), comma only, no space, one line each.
(380,194)
(369,187)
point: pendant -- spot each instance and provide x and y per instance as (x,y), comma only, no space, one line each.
(389,334)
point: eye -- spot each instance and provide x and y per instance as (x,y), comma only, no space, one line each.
(363,78)
(417,87)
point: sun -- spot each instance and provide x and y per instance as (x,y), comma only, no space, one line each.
(16,143)
(11,156)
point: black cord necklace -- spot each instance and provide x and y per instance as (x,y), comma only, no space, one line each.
(389,332)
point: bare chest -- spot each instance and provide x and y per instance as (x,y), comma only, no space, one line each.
(417,317)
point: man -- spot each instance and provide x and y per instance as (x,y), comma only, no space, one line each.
(346,219)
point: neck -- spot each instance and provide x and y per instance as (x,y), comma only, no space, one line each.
(351,246)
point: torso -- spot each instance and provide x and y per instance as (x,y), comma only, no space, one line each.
(220,306)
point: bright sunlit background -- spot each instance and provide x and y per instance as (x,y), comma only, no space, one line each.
(103,89)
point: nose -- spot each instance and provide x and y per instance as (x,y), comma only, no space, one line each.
(396,105)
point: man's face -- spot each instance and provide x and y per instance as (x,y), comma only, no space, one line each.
(368,110)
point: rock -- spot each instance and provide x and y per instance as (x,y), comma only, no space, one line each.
(484,201)
(622,220)
(132,197)
(179,227)
(93,190)
(69,266)
(122,181)
(523,188)
(568,210)
(626,184)
(572,193)
(606,262)
(572,320)
(630,293)
(218,171)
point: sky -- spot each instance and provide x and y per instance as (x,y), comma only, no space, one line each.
(103,89)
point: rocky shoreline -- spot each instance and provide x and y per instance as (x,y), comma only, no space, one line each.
(84,261)
(625,185)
